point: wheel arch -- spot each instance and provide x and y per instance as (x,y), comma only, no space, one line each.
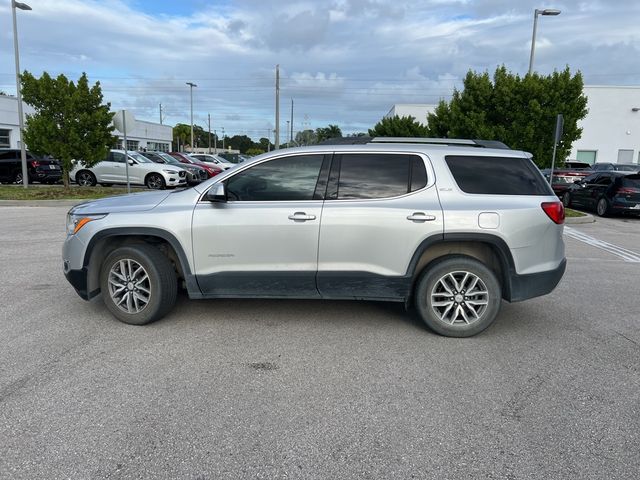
(106,241)
(489,249)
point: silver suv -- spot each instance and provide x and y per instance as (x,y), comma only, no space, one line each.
(450,226)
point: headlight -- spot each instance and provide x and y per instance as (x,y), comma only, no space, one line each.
(76,221)
(172,172)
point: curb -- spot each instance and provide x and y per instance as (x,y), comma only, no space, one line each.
(578,220)
(43,203)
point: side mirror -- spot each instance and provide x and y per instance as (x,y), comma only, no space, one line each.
(131,162)
(217,194)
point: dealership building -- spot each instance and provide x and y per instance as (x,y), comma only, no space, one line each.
(142,135)
(610,131)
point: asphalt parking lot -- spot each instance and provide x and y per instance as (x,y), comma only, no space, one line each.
(318,390)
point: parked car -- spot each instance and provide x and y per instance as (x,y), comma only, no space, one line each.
(215,159)
(43,170)
(606,193)
(195,174)
(142,171)
(575,165)
(564,178)
(452,228)
(212,170)
(617,167)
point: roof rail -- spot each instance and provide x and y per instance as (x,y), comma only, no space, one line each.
(462,142)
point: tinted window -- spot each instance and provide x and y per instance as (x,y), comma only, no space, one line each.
(497,175)
(116,157)
(603,180)
(632,181)
(378,175)
(418,174)
(290,178)
(10,155)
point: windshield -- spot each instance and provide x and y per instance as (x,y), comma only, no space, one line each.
(139,158)
(168,158)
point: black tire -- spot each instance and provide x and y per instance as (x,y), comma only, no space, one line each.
(154,181)
(566,199)
(17,178)
(602,207)
(487,289)
(85,178)
(162,284)
(106,184)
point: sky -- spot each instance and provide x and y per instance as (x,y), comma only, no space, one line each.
(343,62)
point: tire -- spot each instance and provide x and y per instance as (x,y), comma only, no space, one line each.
(106,184)
(566,199)
(159,288)
(84,178)
(154,181)
(602,207)
(453,315)
(17,178)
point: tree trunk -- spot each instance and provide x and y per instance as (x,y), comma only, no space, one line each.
(65,178)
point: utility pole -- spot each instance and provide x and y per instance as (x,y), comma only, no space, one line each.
(222,138)
(215,142)
(291,125)
(209,119)
(288,144)
(23,151)
(277,143)
(160,114)
(191,85)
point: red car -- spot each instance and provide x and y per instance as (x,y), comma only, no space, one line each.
(211,169)
(565,177)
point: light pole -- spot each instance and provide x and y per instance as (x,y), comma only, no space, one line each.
(546,12)
(191,85)
(222,138)
(23,153)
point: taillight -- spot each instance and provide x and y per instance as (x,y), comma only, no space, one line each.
(35,163)
(554,210)
(627,191)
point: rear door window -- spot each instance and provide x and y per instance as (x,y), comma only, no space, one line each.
(497,175)
(369,176)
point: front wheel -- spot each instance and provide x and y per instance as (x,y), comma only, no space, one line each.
(85,178)
(138,284)
(602,207)
(458,296)
(155,181)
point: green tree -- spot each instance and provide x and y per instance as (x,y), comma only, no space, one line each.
(519,111)
(397,126)
(254,151)
(306,137)
(240,142)
(182,134)
(265,144)
(70,120)
(325,133)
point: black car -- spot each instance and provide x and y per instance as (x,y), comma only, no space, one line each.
(43,170)
(195,174)
(616,167)
(606,193)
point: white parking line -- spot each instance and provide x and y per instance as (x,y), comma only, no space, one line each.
(625,254)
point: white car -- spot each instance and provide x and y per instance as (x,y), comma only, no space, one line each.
(211,158)
(142,171)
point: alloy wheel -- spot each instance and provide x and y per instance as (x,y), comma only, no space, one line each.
(129,286)
(84,179)
(459,297)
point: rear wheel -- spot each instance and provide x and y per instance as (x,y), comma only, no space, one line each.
(85,178)
(602,207)
(566,199)
(155,181)
(17,177)
(458,296)
(138,284)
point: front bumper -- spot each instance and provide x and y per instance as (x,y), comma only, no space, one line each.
(78,280)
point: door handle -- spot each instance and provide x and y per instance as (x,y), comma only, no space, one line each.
(421,217)
(301,217)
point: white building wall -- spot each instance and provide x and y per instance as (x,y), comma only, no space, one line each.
(611,126)
(148,135)
(9,119)
(415,110)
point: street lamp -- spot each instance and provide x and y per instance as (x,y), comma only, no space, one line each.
(191,85)
(546,12)
(23,153)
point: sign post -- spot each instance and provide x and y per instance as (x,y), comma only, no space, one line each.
(120,121)
(556,139)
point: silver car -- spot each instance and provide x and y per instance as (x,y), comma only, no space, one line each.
(451,227)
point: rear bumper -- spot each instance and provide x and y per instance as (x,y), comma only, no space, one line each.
(523,287)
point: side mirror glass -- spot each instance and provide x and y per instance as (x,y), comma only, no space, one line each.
(217,193)
(131,162)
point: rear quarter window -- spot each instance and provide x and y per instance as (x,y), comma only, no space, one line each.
(497,175)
